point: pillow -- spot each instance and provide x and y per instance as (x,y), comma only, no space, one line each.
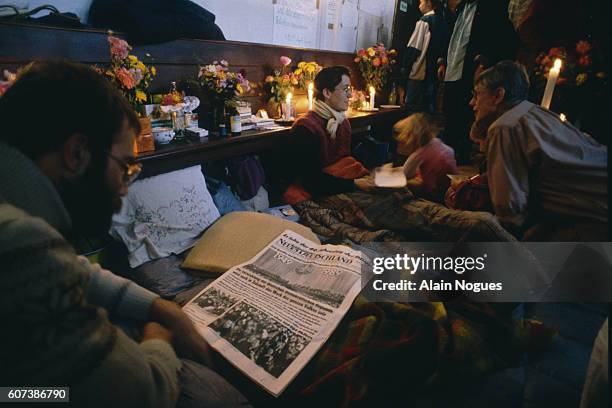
(236,238)
(164,215)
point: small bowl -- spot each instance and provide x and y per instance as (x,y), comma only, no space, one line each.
(163,135)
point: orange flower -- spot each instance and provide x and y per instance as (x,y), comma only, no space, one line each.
(357,59)
(583,47)
(376,62)
(385,61)
(269,79)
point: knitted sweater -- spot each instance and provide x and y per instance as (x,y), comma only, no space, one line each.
(54,306)
(313,149)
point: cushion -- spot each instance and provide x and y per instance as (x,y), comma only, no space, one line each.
(236,238)
(164,215)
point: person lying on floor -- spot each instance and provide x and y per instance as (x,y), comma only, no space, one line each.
(321,160)
(548,180)
(64,172)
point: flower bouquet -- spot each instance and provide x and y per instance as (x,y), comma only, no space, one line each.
(306,73)
(358,100)
(130,75)
(282,82)
(375,65)
(220,86)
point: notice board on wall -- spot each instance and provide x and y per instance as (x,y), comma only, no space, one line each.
(295,23)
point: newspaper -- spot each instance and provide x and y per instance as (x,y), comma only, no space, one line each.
(390,177)
(270,315)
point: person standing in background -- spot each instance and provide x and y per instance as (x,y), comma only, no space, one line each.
(482,36)
(427,45)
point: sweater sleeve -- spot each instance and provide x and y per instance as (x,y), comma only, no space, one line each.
(309,168)
(508,175)
(52,335)
(119,296)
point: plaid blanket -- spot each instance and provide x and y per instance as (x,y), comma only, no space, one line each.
(392,351)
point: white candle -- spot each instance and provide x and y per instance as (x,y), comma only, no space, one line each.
(310,95)
(372,95)
(553,75)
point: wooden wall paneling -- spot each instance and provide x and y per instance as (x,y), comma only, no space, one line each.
(174,60)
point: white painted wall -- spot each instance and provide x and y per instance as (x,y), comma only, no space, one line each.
(253,20)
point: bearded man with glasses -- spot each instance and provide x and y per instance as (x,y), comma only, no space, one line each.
(62,175)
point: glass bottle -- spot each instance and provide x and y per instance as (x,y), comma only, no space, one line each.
(393,95)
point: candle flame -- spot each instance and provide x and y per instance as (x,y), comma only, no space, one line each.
(562,117)
(558,64)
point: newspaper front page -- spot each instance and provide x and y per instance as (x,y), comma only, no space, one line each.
(270,315)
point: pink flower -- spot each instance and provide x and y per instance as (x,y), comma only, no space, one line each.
(119,48)
(357,59)
(125,78)
(4,86)
(137,75)
(361,52)
(285,61)
(583,47)
(584,61)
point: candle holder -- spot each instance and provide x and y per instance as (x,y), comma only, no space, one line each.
(288,111)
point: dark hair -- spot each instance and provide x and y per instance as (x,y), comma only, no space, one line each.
(436,5)
(329,78)
(53,100)
(509,75)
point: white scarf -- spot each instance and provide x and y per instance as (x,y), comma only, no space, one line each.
(334,118)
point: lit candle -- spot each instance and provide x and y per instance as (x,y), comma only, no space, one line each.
(553,75)
(562,117)
(372,95)
(310,95)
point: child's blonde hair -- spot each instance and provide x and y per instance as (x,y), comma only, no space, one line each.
(414,131)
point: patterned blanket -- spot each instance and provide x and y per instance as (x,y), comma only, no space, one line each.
(395,217)
(392,351)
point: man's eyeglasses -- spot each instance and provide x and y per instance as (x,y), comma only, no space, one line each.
(347,89)
(131,170)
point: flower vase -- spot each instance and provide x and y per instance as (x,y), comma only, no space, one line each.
(274,109)
(144,140)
